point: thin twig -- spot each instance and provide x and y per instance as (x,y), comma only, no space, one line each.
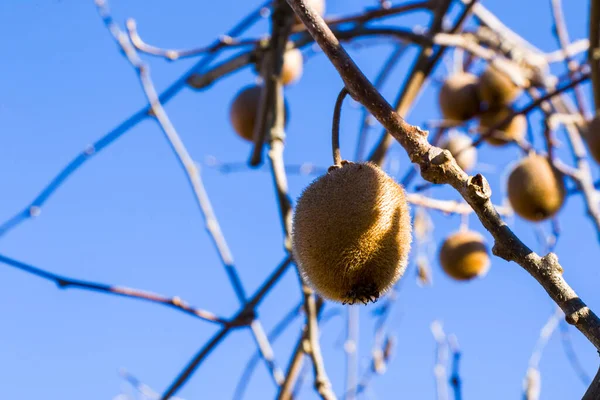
(441,359)
(64,282)
(335,128)
(141,387)
(436,167)
(594,51)
(450,206)
(384,73)
(455,380)
(422,68)
(172,54)
(532,381)
(562,35)
(296,360)
(183,156)
(273,335)
(567,344)
(322,384)
(351,349)
(245,315)
(33,209)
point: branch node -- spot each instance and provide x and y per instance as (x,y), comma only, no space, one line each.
(574,317)
(479,188)
(502,251)
(550,264)
(441,158)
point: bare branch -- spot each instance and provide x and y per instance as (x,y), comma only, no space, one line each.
(172,54)
(441,359)
(351,350)
(34,208)
(69,283)
(422,68)
(450,206)
(562,35)
(188,164)
(322,384)
(439,166)
(455,381)
(279,328)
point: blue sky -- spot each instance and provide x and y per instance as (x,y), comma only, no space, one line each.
(128,217)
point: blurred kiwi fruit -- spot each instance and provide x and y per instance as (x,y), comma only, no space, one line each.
(536,189)
(513,130)
(243,110)
(496,88)
(460,145)
(464,255)
(458,98)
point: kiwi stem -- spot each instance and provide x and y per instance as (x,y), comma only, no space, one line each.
(335,129)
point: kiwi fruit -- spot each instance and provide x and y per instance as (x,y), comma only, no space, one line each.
(352,233)
(243,110)
(536,189)
(460,145)
(496,88)
(458,98)
(464,255)
(514,130)
(317,5)
(592,137)
(293,63)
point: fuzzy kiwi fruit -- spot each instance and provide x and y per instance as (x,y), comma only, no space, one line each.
(464,255)
(514,130)
(243,110)
(536,189)
(592,137)
(458,97)
(352,233)
(496,88)
(292,66)
(460,145)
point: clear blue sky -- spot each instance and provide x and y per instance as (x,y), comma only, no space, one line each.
(128,217)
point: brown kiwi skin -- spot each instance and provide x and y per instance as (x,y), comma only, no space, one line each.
(293,65)
(536,189)
(352,233)
(460,146)
(592,137)
(514,130)
(464,255)
(496,88)
(458,98)
(243,110)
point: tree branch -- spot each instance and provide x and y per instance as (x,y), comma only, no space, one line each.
(438,166)
(67,283)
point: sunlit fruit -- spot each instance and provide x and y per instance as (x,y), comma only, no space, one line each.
(496,88)
(460,145)
(513,130)
(536,189)
(458,97)
(293,64)
(243,110)
(352,233)
(464,255)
